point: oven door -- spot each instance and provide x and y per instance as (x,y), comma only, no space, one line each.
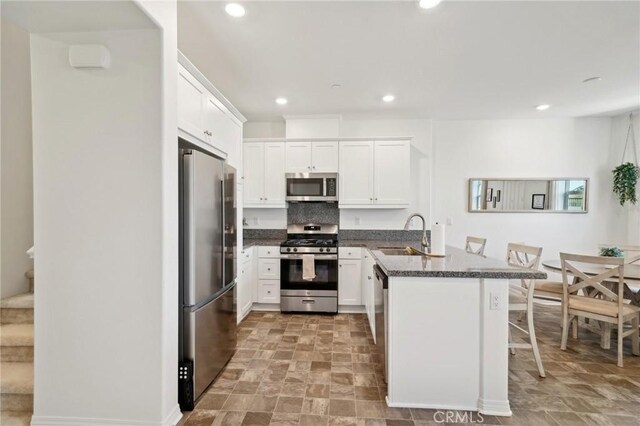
(326,279)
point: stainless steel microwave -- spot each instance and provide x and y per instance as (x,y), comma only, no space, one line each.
(312,187)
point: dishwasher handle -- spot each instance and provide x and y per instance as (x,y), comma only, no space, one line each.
(381,276)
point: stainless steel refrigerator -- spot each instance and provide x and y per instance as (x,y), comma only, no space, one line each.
(207,270)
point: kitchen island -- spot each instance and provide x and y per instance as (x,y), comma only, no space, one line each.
(446,327)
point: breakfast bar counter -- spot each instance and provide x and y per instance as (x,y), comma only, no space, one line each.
(446,330)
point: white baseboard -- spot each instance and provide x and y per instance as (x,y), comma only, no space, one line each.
(430,406)
(494,407)
(347,309)
(274,307)
(174,417)
(171,420)
(266,307)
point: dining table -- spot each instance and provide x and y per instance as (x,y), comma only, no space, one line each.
(631,276)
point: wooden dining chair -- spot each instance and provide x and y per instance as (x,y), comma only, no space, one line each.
(475,245)
(521,297)
(588,297)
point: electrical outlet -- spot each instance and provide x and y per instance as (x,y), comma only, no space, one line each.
(357,220)
(495,302)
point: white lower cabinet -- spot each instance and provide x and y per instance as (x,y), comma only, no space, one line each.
(269,269)
(350,278)
(368,290)
(246,278)
(268,275)
(268,291)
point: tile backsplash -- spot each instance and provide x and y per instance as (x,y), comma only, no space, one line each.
(313,213)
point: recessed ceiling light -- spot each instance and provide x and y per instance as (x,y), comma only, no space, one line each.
(235,9)
(428,4)
(281,101)
(388,98)
(591,79)
(542,107)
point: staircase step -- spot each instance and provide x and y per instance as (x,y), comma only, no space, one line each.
(15,418)
(16,386)
(20,301)
(16,343)
(17,309)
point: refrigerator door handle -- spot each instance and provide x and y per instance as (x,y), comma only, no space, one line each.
(189,228)
(224,233)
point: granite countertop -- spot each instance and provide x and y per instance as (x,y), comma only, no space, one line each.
(376,244)
(260,242)
(457,264)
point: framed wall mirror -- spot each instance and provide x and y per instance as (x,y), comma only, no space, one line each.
(558,195)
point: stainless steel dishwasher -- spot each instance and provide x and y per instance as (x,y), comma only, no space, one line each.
(380,303)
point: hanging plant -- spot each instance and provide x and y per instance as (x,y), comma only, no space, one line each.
(625,176)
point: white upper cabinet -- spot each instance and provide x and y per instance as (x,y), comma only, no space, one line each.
(392,161)
(356,173)
(253,171)
(190,104)
(204,118)
(274,181)
(306,157)
(264,183)
(324,156)
(298,157)
(374,174)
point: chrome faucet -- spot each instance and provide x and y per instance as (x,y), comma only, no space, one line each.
(425,241)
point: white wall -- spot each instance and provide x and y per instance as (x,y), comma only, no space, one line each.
(264,129)
(526,148)
(619,128)
(17,172)
(419,129)
(105,186)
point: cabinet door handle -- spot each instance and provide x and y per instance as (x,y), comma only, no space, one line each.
(370,199)
(261,198)
(376,199)
(314,167)
(268,269)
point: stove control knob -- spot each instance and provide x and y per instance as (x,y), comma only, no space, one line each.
(295,249)
(321,250)
(288,249)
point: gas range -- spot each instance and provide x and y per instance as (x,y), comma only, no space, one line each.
(311,239)
(318,294)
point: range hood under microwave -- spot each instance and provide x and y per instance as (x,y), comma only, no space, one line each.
(312,187)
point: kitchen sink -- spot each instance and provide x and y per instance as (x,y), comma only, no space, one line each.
(397,251)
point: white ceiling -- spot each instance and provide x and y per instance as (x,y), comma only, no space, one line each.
(52,16)
(464,59)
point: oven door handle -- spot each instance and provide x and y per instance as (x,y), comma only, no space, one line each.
(316,256)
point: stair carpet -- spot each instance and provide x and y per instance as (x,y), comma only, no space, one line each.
(16,360)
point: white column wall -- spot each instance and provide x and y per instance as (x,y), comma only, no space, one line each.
(105,201)
(16,224)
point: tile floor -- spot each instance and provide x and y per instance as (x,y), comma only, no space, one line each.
(324,370)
